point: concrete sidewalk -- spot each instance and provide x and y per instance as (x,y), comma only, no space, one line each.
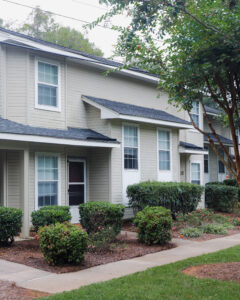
(35,279)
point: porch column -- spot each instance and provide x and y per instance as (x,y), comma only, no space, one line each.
(25,194)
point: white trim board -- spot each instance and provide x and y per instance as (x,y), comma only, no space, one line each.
(57,141)
(107,113)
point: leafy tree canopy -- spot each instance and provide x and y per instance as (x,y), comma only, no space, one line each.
(194,47)
(42,25)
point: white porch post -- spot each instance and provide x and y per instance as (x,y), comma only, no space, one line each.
(25,194)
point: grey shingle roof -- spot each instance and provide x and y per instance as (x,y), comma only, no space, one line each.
(191,146)
(222,138)
(211,110)
(100,59)
(137,111)
(7,126)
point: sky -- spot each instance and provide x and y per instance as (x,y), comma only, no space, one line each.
(87,10)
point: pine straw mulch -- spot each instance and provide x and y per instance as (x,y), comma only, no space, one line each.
(220,271)
(28,252)
(9,291)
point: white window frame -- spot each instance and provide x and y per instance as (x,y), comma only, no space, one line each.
(207,149)
(170,149)
(37,154)
(48,107)
(199,110)
(85,183)
(138,147)
(219,161)
(200,164)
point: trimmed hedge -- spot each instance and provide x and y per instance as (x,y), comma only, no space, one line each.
(63,243)
(10,224)
(101,214)
(48,215)
(175,196)
(221,197)
(154,225)
(230,182)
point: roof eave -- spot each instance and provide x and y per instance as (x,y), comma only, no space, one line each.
(183,150)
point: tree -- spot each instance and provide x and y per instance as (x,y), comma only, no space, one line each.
(194,47)
(42,25)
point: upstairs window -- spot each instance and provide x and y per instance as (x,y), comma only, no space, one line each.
(47,86)
(195,113)
(130,147)
(164,150)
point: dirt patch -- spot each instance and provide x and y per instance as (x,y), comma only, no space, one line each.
(28,253)
(9,291)
(220,271)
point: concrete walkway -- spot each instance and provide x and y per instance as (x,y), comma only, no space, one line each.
(31,278)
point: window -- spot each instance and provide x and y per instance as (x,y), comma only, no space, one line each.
(221,167)
(195,113)
(47,184)
(47,87)
(164,149)
(206,161)
(130,147)
(195,173)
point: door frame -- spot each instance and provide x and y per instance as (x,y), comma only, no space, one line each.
(84,160)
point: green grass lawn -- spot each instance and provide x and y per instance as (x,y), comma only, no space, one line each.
(166,282)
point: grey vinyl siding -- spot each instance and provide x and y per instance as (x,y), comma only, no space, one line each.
(2,80)
(2,158)
(175,156)
(14,183)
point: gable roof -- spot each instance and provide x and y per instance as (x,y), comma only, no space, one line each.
(124,109)
(76,134)
(211,110)
(19,39)
(190,146)
(224,140)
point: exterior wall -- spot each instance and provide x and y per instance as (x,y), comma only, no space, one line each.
(2,158)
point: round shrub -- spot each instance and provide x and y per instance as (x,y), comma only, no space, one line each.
(63,243)
(154,225)
(215,229)
(221,197)
(48,215)
(101,214)
(10,224)
(191,232)
(176,196)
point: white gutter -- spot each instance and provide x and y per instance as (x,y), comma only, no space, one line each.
(56,141)
(191,151)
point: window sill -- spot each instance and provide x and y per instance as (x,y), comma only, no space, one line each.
(48,108)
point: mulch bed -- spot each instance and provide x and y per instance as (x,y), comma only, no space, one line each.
(28,253)
(221,271)
(9,291)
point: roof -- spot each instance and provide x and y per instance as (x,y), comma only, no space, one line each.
(91,57)
(222,139)
(7,126)
(191,146)
(211,110)
(137,111)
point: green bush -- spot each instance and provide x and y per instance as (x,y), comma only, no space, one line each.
(101,214)
(221,197)
(154,225)
(175,196)
(48,215)
(10,224)
(191,232)
(232,182)
(215,228)
(215,183)
(63,243)
(195,218)
(236,221)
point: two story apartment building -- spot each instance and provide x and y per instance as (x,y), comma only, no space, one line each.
(69,134)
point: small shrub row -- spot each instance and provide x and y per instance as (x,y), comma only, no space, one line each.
(175,196)
(154,225)
(10,224)
(191,232)
(221,197)
(48,215)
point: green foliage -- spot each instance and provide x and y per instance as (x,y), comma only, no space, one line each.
(50,215)
(178,197)
(42,25)
(154,225)
(101,240)
(191,232)
(101,214)
(221,197)
(230,182)
(215,228)
(63,244)
(236,221)
(195,218)
(10,224)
